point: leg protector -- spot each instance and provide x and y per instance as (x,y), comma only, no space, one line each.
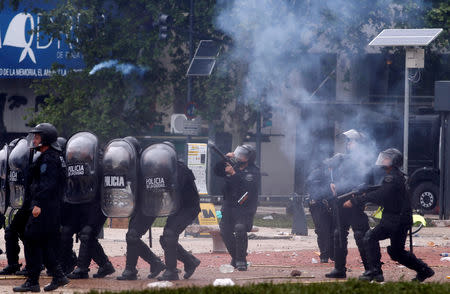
(359,239)
(226,231)
(169,242)
(340,252)
(371,247)
(85,253)
(12,245)
(241,243)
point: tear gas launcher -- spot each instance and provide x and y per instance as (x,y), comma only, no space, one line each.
(227,159)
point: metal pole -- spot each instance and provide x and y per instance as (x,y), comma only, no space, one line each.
(406,121)
(442,159)
(258,143)
(191,55)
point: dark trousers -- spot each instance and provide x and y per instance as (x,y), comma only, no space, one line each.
(234,225)
(42,251)
(87,221)
(323,224)
(175,225)
(356,219)
(13,233)
(397,234)
(138,226)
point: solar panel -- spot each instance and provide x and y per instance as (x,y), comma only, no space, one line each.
(207,49)
(405,37)
(204,59)
(201,66)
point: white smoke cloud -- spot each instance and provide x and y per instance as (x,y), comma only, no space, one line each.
(274,36)
(124,68)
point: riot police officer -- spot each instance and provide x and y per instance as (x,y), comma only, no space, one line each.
(46,180)
(14,231)
(395,222)
(349,171)
(83,215)
(240,201)
(176,223)
(318,188)
(143,218)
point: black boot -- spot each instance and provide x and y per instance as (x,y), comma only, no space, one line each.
(156,268)
(56,283)
(28,286)
(104,270)
(169,275)
(129,274)
(241,265)
(372,275)
(424,274)
(10,269)
(189,268)
(79,273)
(337,274)
(189,260)
(22,272)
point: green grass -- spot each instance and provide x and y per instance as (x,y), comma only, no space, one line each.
(351,286)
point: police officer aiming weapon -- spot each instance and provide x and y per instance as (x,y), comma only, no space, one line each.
(395,223)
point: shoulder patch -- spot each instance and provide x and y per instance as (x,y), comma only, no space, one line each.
(249,177)
(43,168)
(388,179)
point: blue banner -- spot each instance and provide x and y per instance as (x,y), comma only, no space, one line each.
(27,53)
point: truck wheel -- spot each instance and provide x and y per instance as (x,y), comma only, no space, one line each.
(425,196)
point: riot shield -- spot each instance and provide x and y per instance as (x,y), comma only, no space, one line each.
(18,162)
(3,177)
(158,177)
(82,168)
(119,178)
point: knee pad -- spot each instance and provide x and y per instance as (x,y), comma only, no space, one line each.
(86,233)
(239,228)
(132,236)
(367,237)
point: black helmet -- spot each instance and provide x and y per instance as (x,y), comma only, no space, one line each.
(247,151)
(394,156)
(133,141)
(48,134)
(62,142)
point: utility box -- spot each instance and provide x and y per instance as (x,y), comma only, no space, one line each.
(415,58)
(442,96)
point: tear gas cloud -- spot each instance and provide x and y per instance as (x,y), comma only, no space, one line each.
(273,38)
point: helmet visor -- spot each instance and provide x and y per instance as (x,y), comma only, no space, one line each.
(241,153)
(384,159)
(33,140)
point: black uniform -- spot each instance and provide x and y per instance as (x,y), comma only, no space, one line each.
(318,188)
(177,223)
(87,221)
(47,176)
(347,177)
(237,219)
(13,232)
(394,224)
